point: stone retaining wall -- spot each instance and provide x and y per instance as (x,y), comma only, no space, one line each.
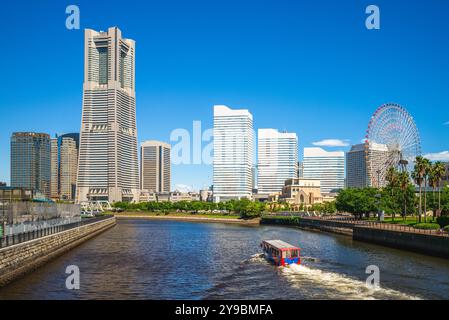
(422,243)
(21,258)
(314,224)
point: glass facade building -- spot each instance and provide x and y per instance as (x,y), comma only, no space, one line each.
(233,153)
(155,166)
(328,167)
(30,162)
(277,159)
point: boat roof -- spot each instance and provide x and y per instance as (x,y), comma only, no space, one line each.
(279,244)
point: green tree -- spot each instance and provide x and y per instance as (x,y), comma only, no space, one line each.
(439,171)
(404,185)
(418,176)
(392,178)
(427,173)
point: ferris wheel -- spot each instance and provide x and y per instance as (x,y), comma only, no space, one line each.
(392,140)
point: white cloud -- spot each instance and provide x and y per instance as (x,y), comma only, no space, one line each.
(439,156)
(331,143)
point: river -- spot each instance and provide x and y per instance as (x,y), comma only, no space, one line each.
(147,259)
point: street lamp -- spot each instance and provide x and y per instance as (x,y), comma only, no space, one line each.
(380,215)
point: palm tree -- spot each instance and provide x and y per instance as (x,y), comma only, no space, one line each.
(433,183)
(418,176)
(427,172)
(439,170)
(393,179)
(404,182)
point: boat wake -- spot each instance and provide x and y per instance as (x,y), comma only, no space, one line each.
(258,257)
(331,285)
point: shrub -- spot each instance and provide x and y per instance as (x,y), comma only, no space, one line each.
(443,221)
(446,228)
(427,226)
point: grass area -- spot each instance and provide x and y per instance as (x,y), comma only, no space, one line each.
(279,217)
(410,221)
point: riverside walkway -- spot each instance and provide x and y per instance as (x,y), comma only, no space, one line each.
(379,225)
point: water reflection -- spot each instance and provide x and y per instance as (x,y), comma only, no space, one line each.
(140,259)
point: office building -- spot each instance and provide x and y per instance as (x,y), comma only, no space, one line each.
(358,173)
(328,167)
(64,166)
(108,161)
(30,162)
(54,166)
(277,159)
(155,166)
(233,153)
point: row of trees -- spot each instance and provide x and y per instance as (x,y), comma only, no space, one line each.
(399,195)
(244,207)
(427,175)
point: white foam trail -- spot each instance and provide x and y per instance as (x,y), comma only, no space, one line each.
(258,257)
(337,286)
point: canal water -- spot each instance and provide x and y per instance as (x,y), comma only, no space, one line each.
(146,259)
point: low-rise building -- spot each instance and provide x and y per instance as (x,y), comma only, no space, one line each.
(176,196)
(11,194)
(301,191)
(184,196)
(206,195)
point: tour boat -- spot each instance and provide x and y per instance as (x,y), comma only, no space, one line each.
(280,252)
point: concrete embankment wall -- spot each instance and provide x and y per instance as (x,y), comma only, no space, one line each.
(421,243)
(314,224)
(21,258)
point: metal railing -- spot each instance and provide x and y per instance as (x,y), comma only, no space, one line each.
(382,225)
(17,238)
(404,228)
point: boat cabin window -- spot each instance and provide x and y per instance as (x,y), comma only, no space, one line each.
(293,253)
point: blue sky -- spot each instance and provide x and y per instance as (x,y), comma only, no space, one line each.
(309,67)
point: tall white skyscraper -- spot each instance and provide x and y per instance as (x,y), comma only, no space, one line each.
(108,163)
(328,167)
(277,159)
(233,153)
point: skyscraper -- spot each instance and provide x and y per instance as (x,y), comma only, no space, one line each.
(54,179)
(155,166)
(358,173)
(277,159)
(30,161)
(68,165)
(233,153)
(64,166)
(108,162)
(328,167)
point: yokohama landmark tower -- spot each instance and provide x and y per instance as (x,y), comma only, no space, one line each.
(108,163)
